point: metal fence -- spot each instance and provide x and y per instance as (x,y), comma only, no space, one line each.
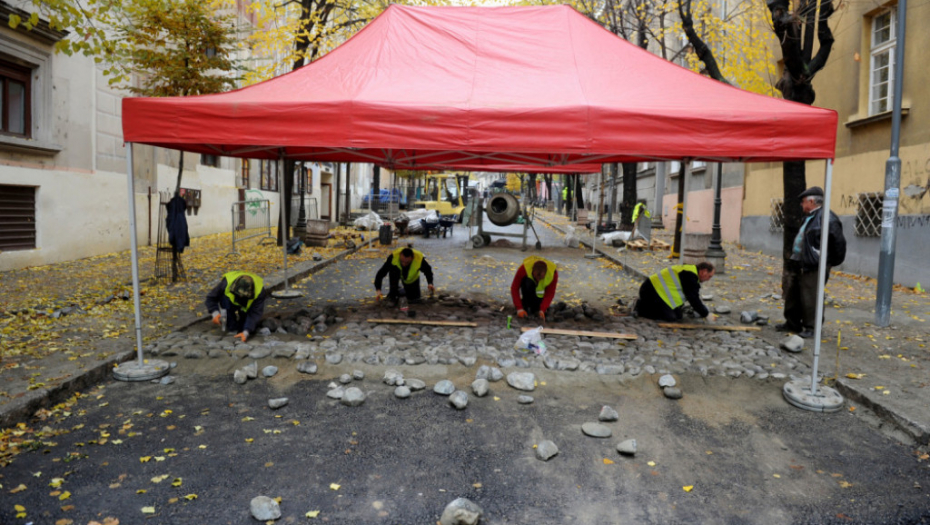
(311,210)
(250,219)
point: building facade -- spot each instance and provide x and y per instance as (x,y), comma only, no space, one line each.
(858,82)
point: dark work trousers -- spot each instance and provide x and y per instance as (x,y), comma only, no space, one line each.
(801,297)
(531,302)
(651,306)
(235,316)
(410,291)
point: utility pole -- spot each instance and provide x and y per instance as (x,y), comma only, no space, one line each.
(892,183)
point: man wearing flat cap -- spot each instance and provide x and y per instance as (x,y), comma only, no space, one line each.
(242,295)
(800,286)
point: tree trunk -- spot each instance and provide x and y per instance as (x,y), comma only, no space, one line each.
(547,180)
(578,196)
(629,193)
(348,169)
(796,85)
(177,187)
(286,191)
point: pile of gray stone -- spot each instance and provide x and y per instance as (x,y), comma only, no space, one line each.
(302,322)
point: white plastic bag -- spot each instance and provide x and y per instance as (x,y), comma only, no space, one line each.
(571,240)
(531,341)
(369,222)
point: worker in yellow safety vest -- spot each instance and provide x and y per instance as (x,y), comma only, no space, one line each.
(533,286)
(242,296)
(662,296)
(403,268)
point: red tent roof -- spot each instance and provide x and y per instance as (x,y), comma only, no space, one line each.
(486,86)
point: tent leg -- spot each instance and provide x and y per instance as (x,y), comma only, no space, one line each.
(824,398)
(138,371)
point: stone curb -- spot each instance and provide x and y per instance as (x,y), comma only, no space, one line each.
(24,407)
(917,431)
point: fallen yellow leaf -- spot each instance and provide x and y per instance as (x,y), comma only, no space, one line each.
(148,510)
(312,514)
(334,486)
(608,461)
(64,495)
(651,463)
(145,459)
(177,482)
(190,497)
(19,488)
(687,488)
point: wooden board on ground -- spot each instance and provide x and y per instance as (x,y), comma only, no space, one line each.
(708,326)
(429,323)
(658,244)
(584,333)
(637,245)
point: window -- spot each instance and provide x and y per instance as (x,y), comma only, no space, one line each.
(210,160)
(15,103)
(17,218)
(698,165)
(269,175)
(244,174)
(777,216)
(881,68)
(869,215)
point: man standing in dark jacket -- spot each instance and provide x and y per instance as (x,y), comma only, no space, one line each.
(802,268)
(662,296)
(242,295)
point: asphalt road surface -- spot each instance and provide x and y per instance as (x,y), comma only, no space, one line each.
(197,451)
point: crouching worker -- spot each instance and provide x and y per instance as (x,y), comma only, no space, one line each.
(533,286)
(403,268)
(662,296)
(242,295)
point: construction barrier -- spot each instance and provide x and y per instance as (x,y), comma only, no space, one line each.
(250,219)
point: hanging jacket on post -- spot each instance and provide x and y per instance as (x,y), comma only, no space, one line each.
(176,224)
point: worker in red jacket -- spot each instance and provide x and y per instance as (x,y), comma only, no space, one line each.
(534,286)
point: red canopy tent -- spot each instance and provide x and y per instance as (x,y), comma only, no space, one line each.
(483,86)
(479,88)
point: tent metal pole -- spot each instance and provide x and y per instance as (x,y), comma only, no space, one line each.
(135,251)
(807,395)
(140,370)
(822,270)
(284,228)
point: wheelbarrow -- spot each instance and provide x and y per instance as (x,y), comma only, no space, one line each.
(401,225)
(446,223)
(430,227)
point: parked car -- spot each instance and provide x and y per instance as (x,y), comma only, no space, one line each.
(385,196)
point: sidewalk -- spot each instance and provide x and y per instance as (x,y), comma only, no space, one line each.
(64,326)
(892,364)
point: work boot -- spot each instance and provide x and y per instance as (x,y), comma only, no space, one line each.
(807,333)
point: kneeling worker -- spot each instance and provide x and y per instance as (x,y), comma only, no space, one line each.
(242,295)
(662,296)
(404,266)
(535,280)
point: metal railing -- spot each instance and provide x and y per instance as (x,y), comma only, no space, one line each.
(869,214)
(311,210)
(250,219)
(777,215)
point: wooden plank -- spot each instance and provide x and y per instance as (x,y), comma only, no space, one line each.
(698,326)
(584,333)
(429,323)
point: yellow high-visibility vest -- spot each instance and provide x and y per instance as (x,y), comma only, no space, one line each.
(668,284)
(231,278)
(547,280)
(414,273)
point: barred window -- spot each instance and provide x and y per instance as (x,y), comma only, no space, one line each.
(777,216)
(869,214)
